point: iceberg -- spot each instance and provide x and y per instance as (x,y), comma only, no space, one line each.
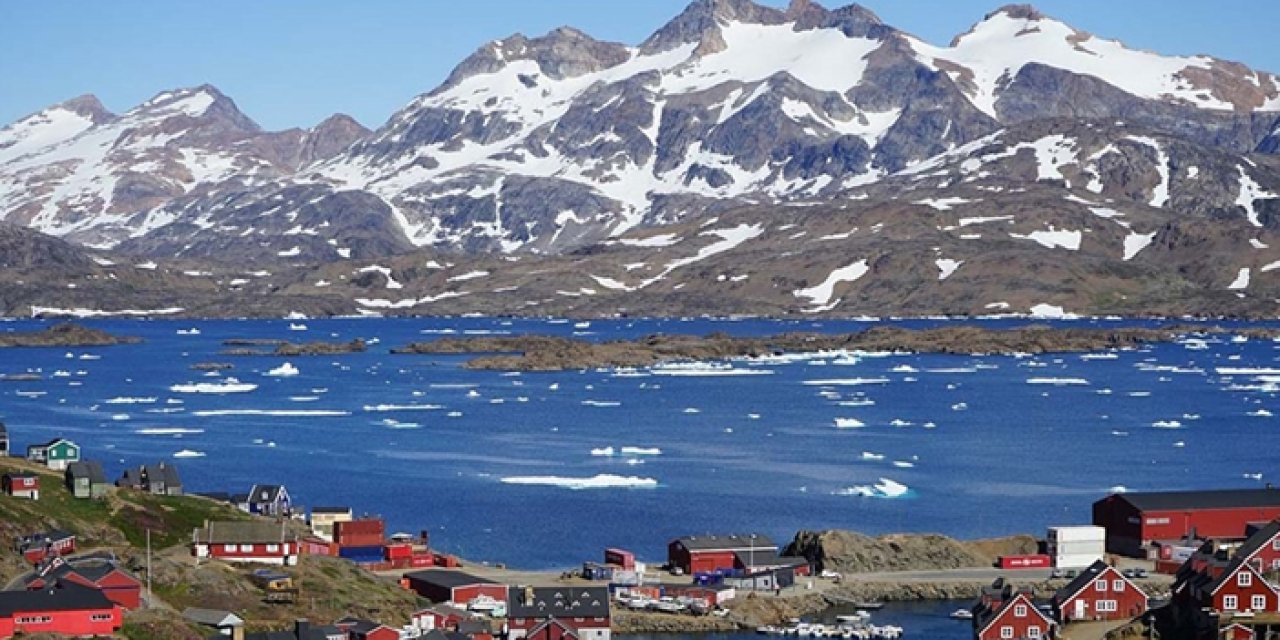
(188,453)
(849,423)
(229,385)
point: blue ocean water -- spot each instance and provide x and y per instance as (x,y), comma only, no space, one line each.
(986,445)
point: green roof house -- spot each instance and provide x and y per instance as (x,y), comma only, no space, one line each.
(55,454)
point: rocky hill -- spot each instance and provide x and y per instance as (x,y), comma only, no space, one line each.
(741,160)
(331,587)
(851,552)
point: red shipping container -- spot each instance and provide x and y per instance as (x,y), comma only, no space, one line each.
(370,526)
(395,551)
(422,561)
(620,557)
(442,560)
(360,540)
(1031,561)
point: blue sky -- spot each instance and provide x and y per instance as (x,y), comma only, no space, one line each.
(294,62)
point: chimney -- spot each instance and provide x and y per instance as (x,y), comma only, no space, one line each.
(528,596)
(301,628)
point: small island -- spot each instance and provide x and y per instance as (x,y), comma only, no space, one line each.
(553,353)
(66,334)
(248,347)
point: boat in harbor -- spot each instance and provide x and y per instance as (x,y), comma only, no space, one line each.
(868,605)
(961,614)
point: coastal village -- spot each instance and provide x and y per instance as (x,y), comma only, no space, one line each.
(1186,564)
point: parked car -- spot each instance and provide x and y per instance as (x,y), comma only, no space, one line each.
(1057,573)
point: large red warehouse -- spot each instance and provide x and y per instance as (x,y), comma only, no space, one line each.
(696,554)
(1133,520)
(438,585)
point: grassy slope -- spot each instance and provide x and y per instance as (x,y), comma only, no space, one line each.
(330,587)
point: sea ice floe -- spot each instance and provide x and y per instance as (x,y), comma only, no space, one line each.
(600,481)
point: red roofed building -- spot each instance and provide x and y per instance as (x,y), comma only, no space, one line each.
(1134,520)
(698,554)
(1014,618)
(115,583)
(67,609)
(1099,593)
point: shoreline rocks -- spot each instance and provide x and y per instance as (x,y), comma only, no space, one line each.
(290,349)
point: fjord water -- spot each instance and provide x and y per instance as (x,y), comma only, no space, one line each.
(987,445)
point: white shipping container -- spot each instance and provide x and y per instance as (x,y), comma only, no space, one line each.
(1077,533)
(1073,548)
(1075,561)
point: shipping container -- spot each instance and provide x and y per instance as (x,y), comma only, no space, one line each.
(1028,561)
(1077,533)
(593,571)
(422,561)
(367,526)
(621,557)
(626,578)
(359,540)
(1076,561)
(442,560)
(396,551)
(361,554)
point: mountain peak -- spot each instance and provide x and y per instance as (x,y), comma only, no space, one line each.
(1018,12)
(89,106)
(701,20)
(564,52)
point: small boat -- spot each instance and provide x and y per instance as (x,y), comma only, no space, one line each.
(962,614)
(868,605)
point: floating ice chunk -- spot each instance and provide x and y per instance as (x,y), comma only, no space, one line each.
(868,455)
(849,423)
(384,408)
(129,400)
(1058,382)
(229,385)
(641,451)
(1260,413)
(1167,424)
(601,481)
(601,403)
(846,382)
(188,453)
(280,413)
(285,370)
(603,451)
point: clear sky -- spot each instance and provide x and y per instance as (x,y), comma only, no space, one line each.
(292,63)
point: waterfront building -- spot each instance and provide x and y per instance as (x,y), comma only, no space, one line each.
(1014,618)
(458,587)
(699,554)
(55,454)
(1134,521)
(66,608)
(260,542)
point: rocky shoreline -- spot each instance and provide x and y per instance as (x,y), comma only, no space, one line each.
(553,353)
(64,335)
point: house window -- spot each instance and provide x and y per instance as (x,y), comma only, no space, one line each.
(1275,543)
(1229,603)
(1244,579)
(101,617)
(1105,606)
(34,620)
(1100,585)
(1006,632)
(1258,603)
(1117,585)
(273,548)
(1033,632)
(246,548)
(1275,564)
(1020,611)
(229,548)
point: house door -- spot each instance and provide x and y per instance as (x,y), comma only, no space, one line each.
(1081,614)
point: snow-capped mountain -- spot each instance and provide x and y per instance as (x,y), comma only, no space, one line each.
(77,171)
(563,145)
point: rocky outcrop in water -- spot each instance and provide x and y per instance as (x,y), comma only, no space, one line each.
(64,335)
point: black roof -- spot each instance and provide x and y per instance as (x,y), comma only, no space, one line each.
(446,578)
(65,596)
(561,602)
(768,557)
(330,509)
(1215,499)
(87,469)
(732,542)
(265,492)
(1081,581)
(1259,538)
(21,474)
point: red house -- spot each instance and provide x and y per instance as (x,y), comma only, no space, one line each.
(698,554)
(582,610)
(1236,631)
(1099,593)
(1134,520)
(36,547)
(443,585)
(67,609)
(440,616)
(119,587)
(361,629)
(1242,588)
(1262,549)
(22,484)
(551,629)
(257,542)
(1016,618)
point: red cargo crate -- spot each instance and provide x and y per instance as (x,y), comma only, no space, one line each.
(395,551)
(422,561)
(370,526)
(442,560)
(1029,561)
(620,557)
(359,540)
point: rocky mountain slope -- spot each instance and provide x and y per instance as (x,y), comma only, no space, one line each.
(742,159)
